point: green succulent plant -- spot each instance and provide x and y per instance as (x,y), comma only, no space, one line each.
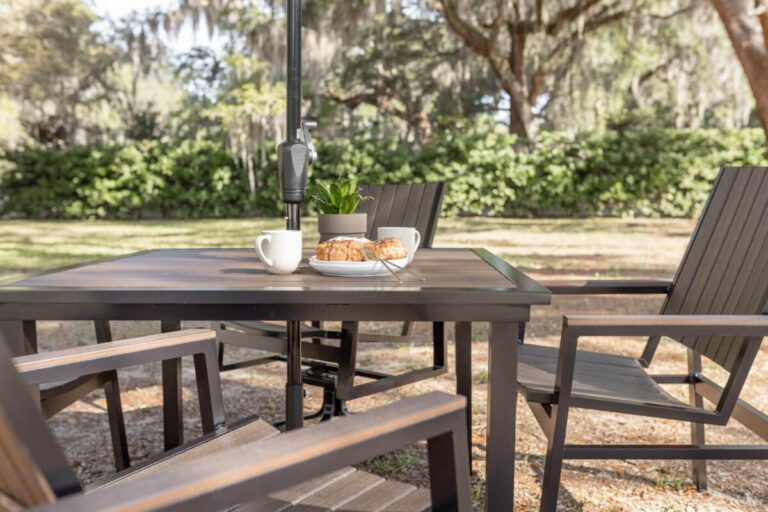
(340,197)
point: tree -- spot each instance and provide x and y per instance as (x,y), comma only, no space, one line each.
(528,43)
(405,68)
(56,69)
(747,27)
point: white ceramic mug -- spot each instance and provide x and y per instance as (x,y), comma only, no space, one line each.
(410,237)
(279,250)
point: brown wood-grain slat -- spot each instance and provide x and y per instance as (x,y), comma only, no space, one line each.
(722,272)
(426,207)
(240,269)
(285,499)
(597,375)
(414,205)
(249,432)
(707,266)
(417,501)
(397,211)
(734,283)
(91,352)
(338,493)
(379,498)
(20,478)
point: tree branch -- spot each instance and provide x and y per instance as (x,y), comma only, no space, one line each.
(537,82)
(682,10)
(472,36)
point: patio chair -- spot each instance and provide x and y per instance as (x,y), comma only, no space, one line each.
(713,309)
(247,466)
(334,368)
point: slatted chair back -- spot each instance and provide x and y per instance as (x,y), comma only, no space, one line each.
(725,269)
(415,205)
(33,469)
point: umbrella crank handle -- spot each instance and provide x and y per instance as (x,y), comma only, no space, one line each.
(305,127)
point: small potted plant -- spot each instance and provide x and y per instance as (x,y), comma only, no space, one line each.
(336,203)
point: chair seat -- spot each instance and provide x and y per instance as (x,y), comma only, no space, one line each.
(347,489)
(597,376)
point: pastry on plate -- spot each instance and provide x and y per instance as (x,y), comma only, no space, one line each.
(385,249)
(339,250)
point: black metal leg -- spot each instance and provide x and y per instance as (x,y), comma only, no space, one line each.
(521,337)
(340,408)
(699,467)
(116,421)
(173,414)
(464,373)
(502,410)
(114,404)
(438,344)
(209,392)
(345,380)
(317,324)
(294,389)
(553,464)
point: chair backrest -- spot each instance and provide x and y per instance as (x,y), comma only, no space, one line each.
(725,268)
(33,470)
(415,205)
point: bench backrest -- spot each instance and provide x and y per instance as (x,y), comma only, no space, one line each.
(415,205)
(33,470)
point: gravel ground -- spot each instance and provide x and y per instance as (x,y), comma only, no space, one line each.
(594,248)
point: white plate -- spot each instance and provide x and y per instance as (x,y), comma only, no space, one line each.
(353,268)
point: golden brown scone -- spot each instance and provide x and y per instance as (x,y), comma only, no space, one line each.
(388,249)
(339,250)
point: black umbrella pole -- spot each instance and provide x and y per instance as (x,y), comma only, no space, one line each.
(293,117)
(294,390)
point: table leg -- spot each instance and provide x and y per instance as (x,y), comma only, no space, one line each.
(464,374)
(502,408)
(294,388)
(173,415)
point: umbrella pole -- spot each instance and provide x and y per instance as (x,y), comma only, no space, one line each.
(294,390)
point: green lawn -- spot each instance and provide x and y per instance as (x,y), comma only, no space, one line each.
(573,246)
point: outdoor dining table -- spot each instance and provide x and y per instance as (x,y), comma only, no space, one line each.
(461,286)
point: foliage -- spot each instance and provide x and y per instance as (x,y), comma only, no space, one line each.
(340,197)
(655,172)
(140,180)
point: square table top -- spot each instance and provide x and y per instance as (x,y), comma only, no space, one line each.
(472,276)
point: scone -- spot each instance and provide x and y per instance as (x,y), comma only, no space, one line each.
(339,250)
(386,249)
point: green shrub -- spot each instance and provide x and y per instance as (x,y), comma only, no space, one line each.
(146,179)
(660,172)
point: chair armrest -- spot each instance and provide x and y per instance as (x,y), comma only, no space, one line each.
(255,469)
(606,286)
(78,361)
(666,325)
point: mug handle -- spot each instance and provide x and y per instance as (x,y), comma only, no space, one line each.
(260,250)
(418,238)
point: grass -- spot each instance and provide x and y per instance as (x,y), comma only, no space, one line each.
(596,247)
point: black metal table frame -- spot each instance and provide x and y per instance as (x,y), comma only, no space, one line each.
(506,321)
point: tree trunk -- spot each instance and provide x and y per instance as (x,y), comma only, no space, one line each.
(516,120)
(420,121)
(749,42)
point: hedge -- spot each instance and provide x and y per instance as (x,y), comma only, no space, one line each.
(659,172)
